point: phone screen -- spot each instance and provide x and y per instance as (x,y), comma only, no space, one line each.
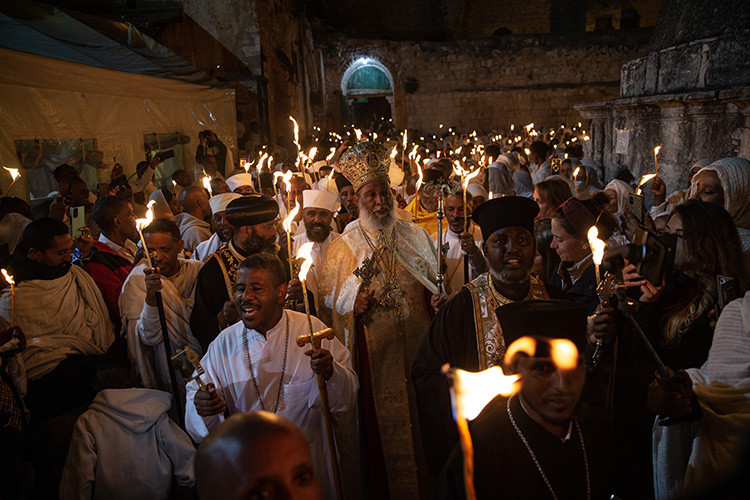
(636,206)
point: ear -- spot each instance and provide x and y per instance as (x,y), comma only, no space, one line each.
(34,253)
(484,249)
(181,244)
(281,293)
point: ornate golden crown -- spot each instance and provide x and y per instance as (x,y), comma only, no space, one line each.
(365,162)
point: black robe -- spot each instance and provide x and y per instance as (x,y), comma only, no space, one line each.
(504,469)
(210,296)
(451,339)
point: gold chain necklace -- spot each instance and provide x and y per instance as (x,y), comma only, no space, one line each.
(539,466)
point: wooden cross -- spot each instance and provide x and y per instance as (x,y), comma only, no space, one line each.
(318,337)
(186,372)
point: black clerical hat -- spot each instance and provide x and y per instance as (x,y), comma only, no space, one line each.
(251,209)
(266,180)
(558,319)
(506,211)
(342,182)
(430,175)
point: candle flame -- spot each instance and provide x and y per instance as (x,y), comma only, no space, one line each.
(13,172)
(141,223)
(260,162)
(575,172)
(287,179)
(312,153)
(8,277)
(358,133)
(207,184)
(296,132)
(414,151)
(305,253)
(656,150)
(643,181)
(472,391)
(563,352)
(597,245)
(245,165)
(527,151)
(290,218)
(404,139)
(490,194)
(174,184)
(419,179)
(394,151)
(470,176)
(333,152)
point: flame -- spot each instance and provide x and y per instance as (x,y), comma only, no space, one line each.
(8,277)
(419,179)
(312,153)
(413,153)
(656,150)
(527,151)
(333,152)
(245,165)
(490,194)
(141,223)
(358,133)
(174,184)
(287,178)
(470,176)
(643,181)
(394,151)
(290,218)
(566,156)
(374,136)
(563,352)
(13,172)
(207,184)
(586,138)
(296,132)
(440,126)
(472,391)
(305,252)
(260,162)
(575,172)
(512,127)
(597,245)
(404,139)
(330,178)
(529,127)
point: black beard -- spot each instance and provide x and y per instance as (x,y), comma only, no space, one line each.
(502,277)
(318,236)
(258,245)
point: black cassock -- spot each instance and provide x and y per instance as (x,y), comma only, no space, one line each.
(504,469)
(451,339)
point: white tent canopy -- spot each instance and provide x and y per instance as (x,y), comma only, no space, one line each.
(58,101)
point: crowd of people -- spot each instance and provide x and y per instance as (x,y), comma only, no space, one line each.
(129,344)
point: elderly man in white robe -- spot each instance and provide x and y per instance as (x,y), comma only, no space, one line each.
(223,230)
(317,215)
(256,364)
(463,246)
(176,278)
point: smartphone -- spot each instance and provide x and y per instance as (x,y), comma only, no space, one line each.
(77,220)
(728,291)
(165,155)
(636,206)
(556,164)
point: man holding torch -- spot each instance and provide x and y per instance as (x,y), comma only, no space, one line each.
(255,364)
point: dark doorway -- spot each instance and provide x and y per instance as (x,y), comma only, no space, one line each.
(370,111)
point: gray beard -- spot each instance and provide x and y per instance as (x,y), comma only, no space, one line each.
(370,223)
(502,278)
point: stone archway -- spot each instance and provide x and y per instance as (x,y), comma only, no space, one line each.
(367,88)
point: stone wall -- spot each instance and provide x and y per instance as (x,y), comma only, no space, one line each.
(488,83)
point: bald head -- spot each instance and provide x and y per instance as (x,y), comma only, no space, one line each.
(194,200)
(255,452)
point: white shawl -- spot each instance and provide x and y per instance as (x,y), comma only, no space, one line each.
(59,317)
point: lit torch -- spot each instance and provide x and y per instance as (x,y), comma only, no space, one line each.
(12,284)
(643,181)
(14,174)
(656,152)
(141,223)
(207,185)
(575,183)
(288,228)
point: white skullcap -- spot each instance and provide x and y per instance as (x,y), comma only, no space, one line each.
(477,190)
(318,164)
(219,202)
(239,180)
(319,198)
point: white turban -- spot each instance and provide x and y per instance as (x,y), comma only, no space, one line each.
(319,198)
(239,180)
(219,202)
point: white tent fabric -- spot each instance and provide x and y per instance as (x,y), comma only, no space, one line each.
(42,97)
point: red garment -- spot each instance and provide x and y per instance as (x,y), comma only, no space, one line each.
(109,271)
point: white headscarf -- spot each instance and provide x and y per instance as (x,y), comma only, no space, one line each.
(734,175)
(500,180)
(623,189)
(523,184)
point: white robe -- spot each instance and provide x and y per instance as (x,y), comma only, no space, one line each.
(193,231)
(204,250)
(59,317)
(225,366)
(454,276)
(140,322)
(124,446)
(318,255)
